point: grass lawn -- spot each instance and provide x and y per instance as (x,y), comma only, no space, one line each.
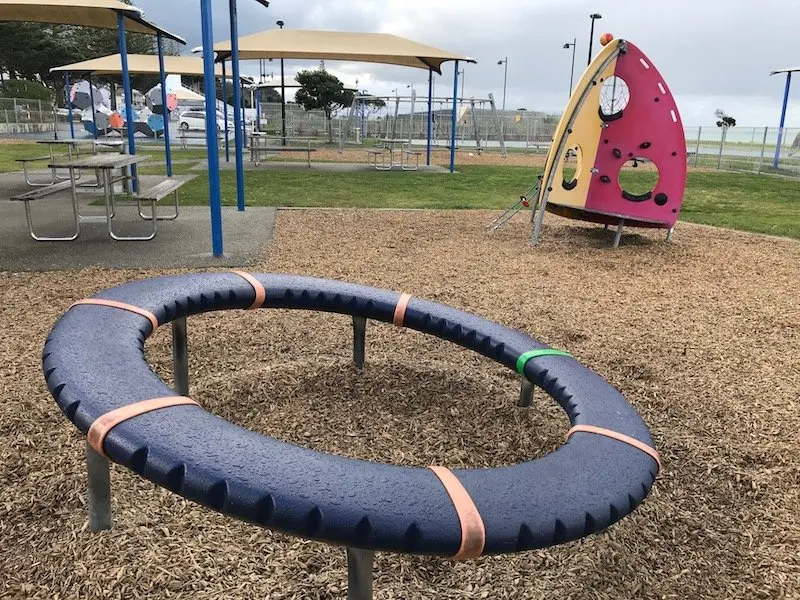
(762,204)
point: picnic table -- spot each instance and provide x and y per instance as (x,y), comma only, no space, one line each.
(257,148)
(105,164)
(388,146)
(71,144)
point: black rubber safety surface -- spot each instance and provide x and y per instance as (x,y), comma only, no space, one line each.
(94,363)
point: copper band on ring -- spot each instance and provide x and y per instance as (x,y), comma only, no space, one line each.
(105,423)
(614,435)
(121,305)
(400,309)
(473,532)
(261,293)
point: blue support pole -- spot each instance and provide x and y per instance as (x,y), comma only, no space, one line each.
(126,86)
(454,121)
(212,144)
(69,105)
(91,99)
(783,119)
(225,110)
(167,147)
(430,116)
(237,107)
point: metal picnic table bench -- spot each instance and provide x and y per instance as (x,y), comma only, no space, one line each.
(257,148)
(71,144)
(388,147)
(105,164)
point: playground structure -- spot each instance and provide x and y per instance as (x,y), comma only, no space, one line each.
(603,472)
(99,119)
(620,113)
(477,121)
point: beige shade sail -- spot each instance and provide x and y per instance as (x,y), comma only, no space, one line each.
(139,64)
(87,13)
(339,45)
(185,94)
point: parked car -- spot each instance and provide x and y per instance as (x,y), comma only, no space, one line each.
(196,119)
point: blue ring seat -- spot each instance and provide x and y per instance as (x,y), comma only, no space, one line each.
(94,363)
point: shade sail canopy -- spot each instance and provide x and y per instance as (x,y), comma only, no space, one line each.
(87,13)
(789,70)
(339,45)
(140,64)
(185,94)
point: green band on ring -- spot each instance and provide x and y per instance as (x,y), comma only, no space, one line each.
(526,356)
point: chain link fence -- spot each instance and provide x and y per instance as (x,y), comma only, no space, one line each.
(19,110)
(747,149)
(754,149)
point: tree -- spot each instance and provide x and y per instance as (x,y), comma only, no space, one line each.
(30,50)
(723,120)
(270,95)
(372,103)
(319,90)
(29,90)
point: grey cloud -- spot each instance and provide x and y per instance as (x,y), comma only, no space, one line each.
(706,49)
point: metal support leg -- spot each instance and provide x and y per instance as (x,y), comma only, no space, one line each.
(180,356)
(669,234)
(537,230)
(359,574)
(359,341)
(525,393)
(99,490)
(618,237)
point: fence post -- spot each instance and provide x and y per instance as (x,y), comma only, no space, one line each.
(763,150)
(697,149)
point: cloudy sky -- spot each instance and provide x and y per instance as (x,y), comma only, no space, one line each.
(712,53)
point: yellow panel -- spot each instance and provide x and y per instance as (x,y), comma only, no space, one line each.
(586,131)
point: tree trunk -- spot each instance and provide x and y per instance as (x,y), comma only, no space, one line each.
(330,129)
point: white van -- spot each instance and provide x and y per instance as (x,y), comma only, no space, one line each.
(196,119)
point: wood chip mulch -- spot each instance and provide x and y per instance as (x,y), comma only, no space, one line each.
(702,336)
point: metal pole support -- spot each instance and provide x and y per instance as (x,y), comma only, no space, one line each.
(359,574)
(525,392)
(618,237)
(98,490)
(359,341)
(180,356)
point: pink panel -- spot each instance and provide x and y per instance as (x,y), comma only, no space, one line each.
(649,127)
(172,102)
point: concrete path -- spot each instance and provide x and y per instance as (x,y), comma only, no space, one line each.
(182,243)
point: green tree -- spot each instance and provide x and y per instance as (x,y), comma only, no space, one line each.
(319,90)
(372,103)
(270,94)
(30,50)
(724,120)
(24,88)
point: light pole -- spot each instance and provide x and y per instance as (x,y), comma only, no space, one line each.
(505,79)
(567,46)
(280,24)
(592,16)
